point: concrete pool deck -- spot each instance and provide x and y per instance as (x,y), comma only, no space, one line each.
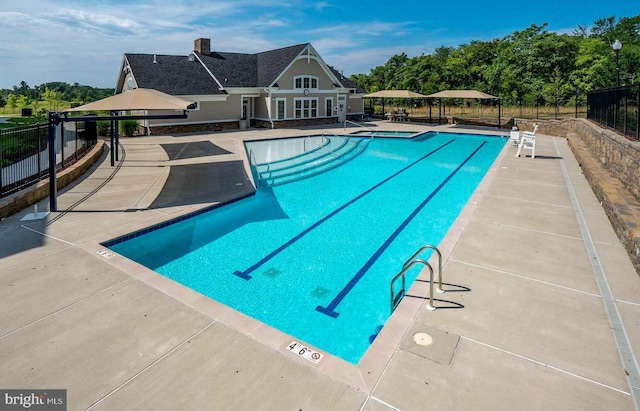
(522,324)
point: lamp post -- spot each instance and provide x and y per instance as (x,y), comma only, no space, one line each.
(616,48)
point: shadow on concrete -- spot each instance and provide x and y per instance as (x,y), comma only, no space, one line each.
(203,183)
(176,151)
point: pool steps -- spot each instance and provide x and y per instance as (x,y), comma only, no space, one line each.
(314,162)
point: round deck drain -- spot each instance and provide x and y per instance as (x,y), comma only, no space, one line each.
(422,339)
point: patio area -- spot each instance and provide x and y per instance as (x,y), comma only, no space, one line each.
(522,323)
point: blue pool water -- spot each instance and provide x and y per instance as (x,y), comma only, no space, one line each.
(314,257)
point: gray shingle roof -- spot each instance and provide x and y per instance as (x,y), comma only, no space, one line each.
(176,75)
(272,63)
(231,69)
(346,82)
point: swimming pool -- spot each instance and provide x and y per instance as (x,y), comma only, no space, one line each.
(314,256)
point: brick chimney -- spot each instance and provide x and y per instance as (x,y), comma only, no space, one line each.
(202,46)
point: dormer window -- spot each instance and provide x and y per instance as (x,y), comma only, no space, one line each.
(305,82)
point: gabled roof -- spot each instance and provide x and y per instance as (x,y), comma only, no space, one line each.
(250,70)
(177,75)
(272,63)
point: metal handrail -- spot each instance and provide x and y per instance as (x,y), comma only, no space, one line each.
(402,274)
(254,164)
(321,146)
(434,248)
(359,125)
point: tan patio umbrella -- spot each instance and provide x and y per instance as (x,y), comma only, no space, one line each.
(461,94)
(464,94)
(137,99)
(394,94)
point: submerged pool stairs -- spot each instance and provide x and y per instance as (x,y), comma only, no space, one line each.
(319,160)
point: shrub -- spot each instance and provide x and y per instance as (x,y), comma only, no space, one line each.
(128,127)
(103,127)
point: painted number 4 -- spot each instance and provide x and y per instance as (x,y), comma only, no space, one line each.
(305,352)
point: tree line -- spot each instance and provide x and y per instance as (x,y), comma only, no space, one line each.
(529,67)
(53,93)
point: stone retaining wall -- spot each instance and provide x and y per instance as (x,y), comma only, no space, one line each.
(610,163)
(616,153)
(33,194)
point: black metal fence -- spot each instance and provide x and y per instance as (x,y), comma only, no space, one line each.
(616,108)
(24,150)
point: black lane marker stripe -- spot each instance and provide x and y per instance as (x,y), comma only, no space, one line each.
(330,309)
(245,274)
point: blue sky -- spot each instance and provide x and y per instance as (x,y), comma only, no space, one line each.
(83,41)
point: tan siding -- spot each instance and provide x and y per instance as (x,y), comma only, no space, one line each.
(209,111)
(301,67)
(261,107)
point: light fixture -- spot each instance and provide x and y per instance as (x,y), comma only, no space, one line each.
(617,46)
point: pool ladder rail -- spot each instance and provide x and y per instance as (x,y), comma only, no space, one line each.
(253,165)
(369,129)
(412,261)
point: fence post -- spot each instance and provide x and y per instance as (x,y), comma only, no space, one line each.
(1,163)
(53,189)
(39,151)
(624,127)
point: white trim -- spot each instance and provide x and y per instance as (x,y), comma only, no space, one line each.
(285,107)
(302,100)
(302,77)
(228,120)
(205,97)
(311,54)
(326,99)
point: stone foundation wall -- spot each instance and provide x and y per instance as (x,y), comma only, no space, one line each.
(191,128)
(33,194)
(294,123)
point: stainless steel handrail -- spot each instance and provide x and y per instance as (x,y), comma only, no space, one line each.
(402,274)
(253,164)
(359,125)
(434,248)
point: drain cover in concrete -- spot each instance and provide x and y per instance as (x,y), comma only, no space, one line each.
(431,343)
(422,339)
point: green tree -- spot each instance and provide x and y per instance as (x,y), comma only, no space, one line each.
(23,101)
(12,102)
(52,97)
(557,90)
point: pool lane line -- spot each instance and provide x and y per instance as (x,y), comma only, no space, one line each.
(330,309)
(245,274)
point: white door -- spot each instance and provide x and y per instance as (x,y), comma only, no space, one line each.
(342,109)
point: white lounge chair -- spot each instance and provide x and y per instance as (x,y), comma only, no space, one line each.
(528,142)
